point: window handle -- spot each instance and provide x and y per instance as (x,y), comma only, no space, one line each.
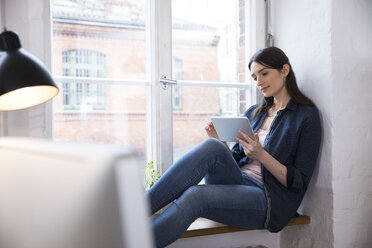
(165,82)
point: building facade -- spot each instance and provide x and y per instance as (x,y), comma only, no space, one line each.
(106,39)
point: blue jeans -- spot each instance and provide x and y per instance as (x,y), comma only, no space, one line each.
(228,197)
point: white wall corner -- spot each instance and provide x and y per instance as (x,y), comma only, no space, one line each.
(352,135)
(303,30)
(329,45)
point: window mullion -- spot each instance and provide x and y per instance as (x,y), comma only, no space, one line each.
(159,25)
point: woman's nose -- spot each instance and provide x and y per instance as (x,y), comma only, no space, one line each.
(259,81)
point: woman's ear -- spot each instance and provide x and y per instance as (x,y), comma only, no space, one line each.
(285,70)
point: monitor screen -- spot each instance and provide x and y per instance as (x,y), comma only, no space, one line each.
(59,195)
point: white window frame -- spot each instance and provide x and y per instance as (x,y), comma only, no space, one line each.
(160,18)
(159,50)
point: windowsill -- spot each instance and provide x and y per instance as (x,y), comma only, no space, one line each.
(203,227)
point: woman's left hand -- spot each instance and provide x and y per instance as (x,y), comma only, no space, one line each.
(211,131)
(252,148)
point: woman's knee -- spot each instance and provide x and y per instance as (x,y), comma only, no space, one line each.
(213,145)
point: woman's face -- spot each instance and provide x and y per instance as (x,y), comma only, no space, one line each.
(271,82)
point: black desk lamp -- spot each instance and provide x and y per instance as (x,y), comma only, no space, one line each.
(24,81)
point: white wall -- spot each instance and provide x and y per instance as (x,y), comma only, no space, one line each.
(329,44)
(352,118)
(31,20)
(230,240)
(302,30)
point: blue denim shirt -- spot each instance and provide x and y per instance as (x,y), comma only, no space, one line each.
(293,140)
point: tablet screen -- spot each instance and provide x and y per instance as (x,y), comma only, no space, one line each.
(228,127)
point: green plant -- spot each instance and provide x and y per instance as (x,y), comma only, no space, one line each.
(151,175)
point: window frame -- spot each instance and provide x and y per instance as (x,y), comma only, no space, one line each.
(255,30)
(159,63)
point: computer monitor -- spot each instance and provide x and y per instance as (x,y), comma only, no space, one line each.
(70,195)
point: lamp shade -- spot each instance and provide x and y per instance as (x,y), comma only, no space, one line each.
(24,80)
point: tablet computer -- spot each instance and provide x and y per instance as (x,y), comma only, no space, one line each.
(228,128)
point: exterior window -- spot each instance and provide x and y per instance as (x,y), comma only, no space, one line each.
(83,63)
(210,61)
(104,63)
(99,64)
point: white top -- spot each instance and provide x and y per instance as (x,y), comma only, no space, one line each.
(253,169)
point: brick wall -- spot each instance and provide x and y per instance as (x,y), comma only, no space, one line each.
(124,119)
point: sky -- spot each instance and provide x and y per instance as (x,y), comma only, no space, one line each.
(209,12)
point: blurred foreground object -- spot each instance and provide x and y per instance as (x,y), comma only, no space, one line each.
(59,195)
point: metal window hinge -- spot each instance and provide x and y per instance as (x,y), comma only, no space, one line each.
(269,40)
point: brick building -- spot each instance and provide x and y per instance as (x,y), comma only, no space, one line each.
(106,39)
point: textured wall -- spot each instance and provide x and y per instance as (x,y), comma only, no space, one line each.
(352,118)
(303,30)
(329,44)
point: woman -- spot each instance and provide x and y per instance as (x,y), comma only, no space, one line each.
(258,184)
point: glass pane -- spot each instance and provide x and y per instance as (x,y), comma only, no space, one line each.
(100,39)
(201,103)
(205,38)
(208,44)
(123,124)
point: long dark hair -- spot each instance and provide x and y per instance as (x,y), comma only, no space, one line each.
(275,58)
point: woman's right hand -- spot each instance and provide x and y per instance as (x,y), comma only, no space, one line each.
(211,131)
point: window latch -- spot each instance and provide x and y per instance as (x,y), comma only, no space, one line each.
(165,82)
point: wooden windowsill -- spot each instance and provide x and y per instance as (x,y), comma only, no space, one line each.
(202,227)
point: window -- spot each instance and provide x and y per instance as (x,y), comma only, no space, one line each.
(213,51)
(83,63)
(105,62)
(99,59)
